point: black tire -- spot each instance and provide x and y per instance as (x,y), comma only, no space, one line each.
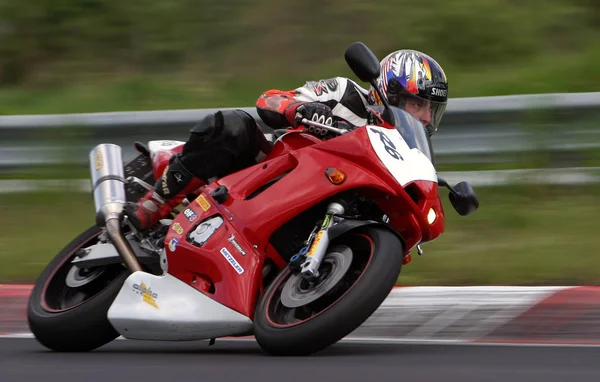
(346,313)
(84,326)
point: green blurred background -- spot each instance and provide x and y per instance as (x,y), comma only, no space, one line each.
(65,56)
(103,55)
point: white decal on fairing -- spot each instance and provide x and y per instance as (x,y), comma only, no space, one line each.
(227,255)
(405,164)
(155,146)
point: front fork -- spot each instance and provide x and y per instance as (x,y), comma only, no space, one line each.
(318,243)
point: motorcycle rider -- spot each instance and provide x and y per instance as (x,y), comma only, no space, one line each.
(231,140)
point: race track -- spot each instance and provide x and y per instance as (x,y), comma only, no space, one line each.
(24,360)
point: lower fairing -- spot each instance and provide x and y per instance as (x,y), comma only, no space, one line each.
(151,307)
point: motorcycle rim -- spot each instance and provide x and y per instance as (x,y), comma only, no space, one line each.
(282,316)
(68,286)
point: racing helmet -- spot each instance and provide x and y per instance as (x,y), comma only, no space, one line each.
(407,74)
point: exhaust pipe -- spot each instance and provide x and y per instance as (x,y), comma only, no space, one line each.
(108,188)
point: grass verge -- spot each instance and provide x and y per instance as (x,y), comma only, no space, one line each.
(529,235)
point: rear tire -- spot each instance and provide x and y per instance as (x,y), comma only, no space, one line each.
(279,331)
(84,325)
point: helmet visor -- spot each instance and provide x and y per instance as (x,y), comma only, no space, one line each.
(429,112)
(437,112)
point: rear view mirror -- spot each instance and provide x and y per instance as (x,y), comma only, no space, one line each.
(362,62)
(366,67)
(463,199)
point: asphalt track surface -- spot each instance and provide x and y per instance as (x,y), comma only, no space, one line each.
(24,360)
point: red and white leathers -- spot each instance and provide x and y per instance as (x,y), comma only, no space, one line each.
(230,140)
(347,101)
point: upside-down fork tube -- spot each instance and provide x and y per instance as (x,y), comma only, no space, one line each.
(318,247)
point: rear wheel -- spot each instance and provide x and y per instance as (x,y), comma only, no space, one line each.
(68,306)
(297,317)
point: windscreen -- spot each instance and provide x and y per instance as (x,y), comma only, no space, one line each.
(411,129)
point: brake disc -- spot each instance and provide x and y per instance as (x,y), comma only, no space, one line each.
(298,291)
(78,277)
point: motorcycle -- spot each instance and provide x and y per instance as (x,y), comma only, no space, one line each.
(298,250)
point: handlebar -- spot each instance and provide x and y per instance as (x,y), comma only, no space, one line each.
(305,121)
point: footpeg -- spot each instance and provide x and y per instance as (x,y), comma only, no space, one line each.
(137,188)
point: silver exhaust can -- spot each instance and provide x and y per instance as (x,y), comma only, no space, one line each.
(108,182)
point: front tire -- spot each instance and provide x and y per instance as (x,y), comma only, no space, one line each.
(377,256)
(73,317)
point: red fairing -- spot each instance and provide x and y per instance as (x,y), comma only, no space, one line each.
(291,142)
(295,172)
(202,267)
(432,200)
(422,195)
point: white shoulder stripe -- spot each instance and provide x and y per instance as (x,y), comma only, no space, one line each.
(343,112)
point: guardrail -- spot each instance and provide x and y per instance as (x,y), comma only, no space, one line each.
(564,176)
(474,130)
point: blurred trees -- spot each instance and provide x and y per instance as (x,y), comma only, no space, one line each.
(59,40)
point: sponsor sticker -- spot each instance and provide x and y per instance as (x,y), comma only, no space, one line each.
(203,203)
(99,160)
(178,228)
(148,296)
(439,92)
(169,143)
(325,223)
(229,257)
(190,215)
(173,244)
(315,244)
(165,186)
(236,245)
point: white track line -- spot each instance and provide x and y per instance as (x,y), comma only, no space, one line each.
(376,341)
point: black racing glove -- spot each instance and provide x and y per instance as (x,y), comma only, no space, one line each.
(314,111)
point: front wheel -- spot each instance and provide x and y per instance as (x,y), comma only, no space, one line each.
(68,306)
(297,317)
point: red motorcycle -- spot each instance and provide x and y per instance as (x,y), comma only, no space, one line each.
(298,250)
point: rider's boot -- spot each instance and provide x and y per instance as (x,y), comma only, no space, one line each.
(169,191)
